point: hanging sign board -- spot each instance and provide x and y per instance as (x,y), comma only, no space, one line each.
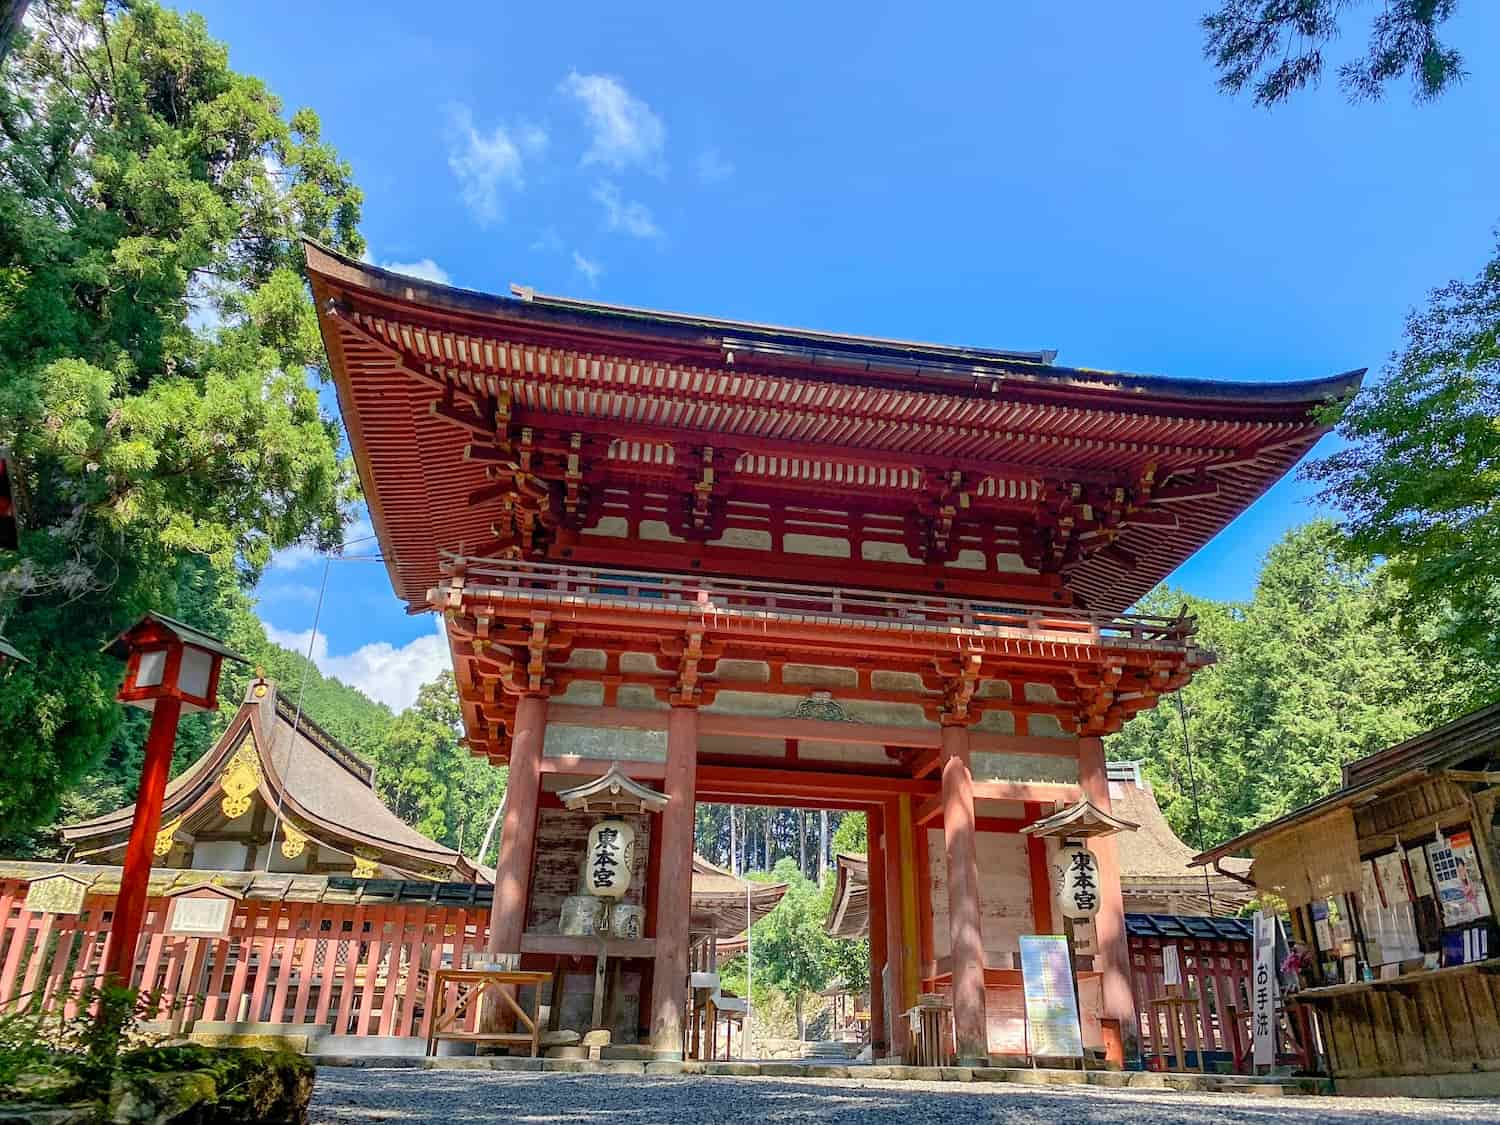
(1080,889)
(1052,1027)
(1264,985)
(1455,873)
(202,911)
(55,894)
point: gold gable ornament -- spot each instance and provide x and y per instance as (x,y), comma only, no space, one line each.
(166,837)
(364,864)
(293,842)
(240,779)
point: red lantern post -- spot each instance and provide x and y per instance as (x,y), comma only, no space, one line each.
(170,668)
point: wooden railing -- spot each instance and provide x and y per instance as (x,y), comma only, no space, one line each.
(344,969)
(709,594)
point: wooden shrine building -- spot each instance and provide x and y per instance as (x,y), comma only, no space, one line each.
(339,912)
(277,793)
(781,567)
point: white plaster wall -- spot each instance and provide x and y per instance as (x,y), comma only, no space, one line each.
(1004,894)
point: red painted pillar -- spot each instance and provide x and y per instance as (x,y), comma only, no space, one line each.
(518,834)
(1113,958)
(674,902)
(130,907)
(880,1044)
(1041,875)
(970,1026)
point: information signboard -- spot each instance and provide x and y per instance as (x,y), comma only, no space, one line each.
(1052,1027)
(55,894)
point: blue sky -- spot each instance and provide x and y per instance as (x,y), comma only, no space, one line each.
(1021,175)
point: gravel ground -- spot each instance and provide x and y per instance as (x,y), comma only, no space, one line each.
(456,1097)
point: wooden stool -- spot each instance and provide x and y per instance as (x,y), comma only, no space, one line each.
(927,1027)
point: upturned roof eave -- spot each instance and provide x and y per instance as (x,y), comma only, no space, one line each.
(847,353)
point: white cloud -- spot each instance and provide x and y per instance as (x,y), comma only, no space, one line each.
(548,242)
(625,131)
(359,539)
(588,267)
(424,268)
(293,593)
(625,215)
(381,670)
(295,558)
(712,167)
(490,165)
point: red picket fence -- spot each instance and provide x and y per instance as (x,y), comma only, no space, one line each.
(346,969)
(1216,971)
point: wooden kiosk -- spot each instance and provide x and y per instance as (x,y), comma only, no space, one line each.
(752,564)
(1391,883)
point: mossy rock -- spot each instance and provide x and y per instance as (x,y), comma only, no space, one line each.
(207,1086)
(43,1086)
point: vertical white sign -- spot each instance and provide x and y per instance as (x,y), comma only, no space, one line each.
(1171,965)
(1264,986)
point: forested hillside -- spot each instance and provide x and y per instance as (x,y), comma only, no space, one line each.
(1318,668)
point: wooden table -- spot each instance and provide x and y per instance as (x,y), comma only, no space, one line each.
(473,983)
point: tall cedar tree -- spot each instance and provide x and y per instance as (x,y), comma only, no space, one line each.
(144,184)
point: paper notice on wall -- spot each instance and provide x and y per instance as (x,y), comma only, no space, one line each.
(1171,965)
(1456,877)
(1263,990)
(1416,861)
(1392,878)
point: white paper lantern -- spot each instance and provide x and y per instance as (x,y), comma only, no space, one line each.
(611,855)
(1081,893)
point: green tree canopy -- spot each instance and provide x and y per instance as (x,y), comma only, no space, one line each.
(1419,480)
(1314,671)
(427,775)
(791,949)
(145,185)
(1275,47)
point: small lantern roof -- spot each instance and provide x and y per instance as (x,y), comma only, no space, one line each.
(1080,821)
(183,632)
(612,791)
(10,652)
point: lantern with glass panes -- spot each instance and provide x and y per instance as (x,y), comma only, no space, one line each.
(170,667)
(166,659)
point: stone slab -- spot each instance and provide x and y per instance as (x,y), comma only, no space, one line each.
(483,1062)
(592,1066)
(370,1062)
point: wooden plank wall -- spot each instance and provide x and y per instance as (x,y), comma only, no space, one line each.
(557,865)
(1004,895)
(354,970)
(1439,1023)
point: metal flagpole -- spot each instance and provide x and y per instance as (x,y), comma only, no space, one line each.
(749,968)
